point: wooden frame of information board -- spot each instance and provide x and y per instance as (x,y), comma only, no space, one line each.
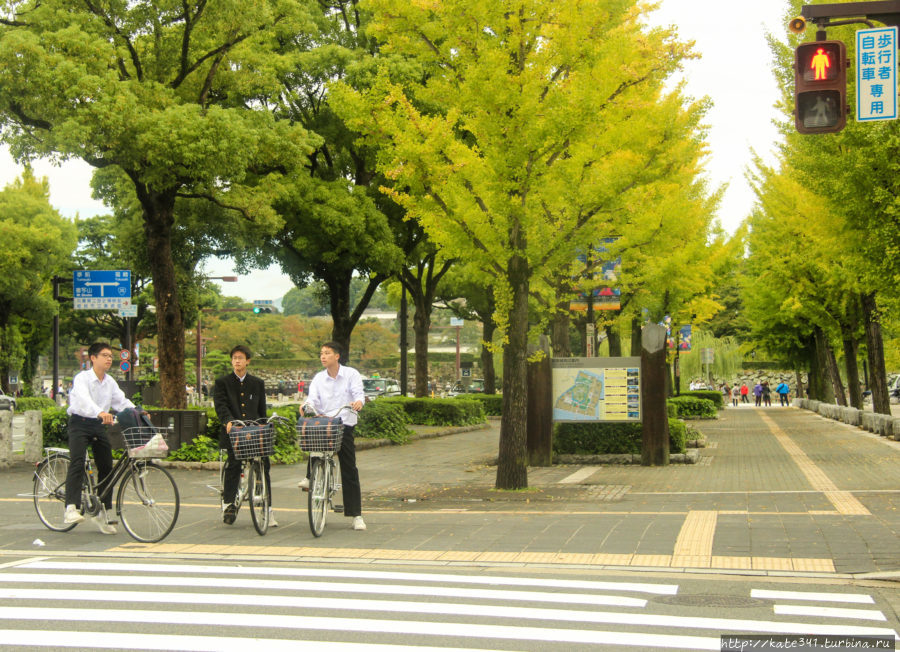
(606,390)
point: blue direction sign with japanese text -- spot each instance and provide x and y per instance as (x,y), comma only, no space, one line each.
(104,289)
(876,74)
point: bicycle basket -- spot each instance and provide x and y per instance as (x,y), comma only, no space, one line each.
(145,441)
(320,434)
(253,441)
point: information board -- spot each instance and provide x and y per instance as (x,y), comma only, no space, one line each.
(104,289)
(596,389)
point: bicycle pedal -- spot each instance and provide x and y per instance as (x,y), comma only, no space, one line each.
(338,509)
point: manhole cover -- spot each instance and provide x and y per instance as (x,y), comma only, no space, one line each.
(699,600)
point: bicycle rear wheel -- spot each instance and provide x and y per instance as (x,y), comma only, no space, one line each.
(318,495)
(259,497)
(148,502)
(50,492)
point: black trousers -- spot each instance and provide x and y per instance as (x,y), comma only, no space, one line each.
(84,432)
(350,485)
(233,474)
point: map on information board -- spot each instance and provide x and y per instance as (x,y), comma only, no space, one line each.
(596,389)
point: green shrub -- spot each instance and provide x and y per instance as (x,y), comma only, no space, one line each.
(677,436)
(287,449)
(493,403)
(201,449)
(440,411)
(709,394)
(383,419)
(53,422)
(691,407)
(610,438)
(34,403)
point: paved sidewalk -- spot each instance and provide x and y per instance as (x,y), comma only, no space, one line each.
(778,491)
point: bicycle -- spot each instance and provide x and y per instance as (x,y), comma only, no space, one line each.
(251,441)
(147,502)
(321,437)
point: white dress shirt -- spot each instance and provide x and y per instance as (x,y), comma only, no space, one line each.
(327,395)
(90,396)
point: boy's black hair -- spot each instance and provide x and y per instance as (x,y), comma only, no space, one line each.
(240,348)
(334,346)
(97,348)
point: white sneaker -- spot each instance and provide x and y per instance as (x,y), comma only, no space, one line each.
(72,515)
(103,526)
(304,484)
(272,521)
(359,523)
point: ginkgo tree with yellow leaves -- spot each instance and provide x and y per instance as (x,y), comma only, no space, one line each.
(533,129)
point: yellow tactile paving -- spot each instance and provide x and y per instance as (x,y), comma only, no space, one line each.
(844,502)
(651,560)
(458,555)
(772,563)
(691,561)
(813,565)
(734,563)
(497,556)
(696,535)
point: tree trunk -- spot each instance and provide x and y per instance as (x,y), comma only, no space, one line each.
(559,331)
(487,357)
(801,393)
(339,303)
(851,352)
(875,349)
(421,326)
(159,218)
(835,374)
(615,341)
(819,387)
(512,469)
(635,337)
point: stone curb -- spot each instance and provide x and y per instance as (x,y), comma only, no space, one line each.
(690,457)
(885,425)
(361,445)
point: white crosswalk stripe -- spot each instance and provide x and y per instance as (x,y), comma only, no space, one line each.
(85,605)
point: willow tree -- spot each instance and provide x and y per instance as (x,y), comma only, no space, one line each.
(169,96)
(520,141)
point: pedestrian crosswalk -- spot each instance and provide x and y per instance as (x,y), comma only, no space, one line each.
(74,603)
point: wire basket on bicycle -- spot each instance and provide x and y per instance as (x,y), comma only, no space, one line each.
(252,440)
(320,434)
(146,441)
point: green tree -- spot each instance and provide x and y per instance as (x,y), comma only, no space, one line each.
(171,97)
(533,124)
(37,240)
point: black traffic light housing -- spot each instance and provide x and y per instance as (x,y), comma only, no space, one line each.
(820,87)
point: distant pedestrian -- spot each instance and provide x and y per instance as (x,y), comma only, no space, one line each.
(783,391)
(744,392)
(766,394)
(735,395)
(726,393)
(757,393)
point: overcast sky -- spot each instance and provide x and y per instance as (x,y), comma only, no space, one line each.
(729,36)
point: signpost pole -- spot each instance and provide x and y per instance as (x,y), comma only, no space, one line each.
(655,438)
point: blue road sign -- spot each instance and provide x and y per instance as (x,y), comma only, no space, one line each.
(101,289)
(876,74)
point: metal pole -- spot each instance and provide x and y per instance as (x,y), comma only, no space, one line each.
(128,348)
(404,345)
(53,392)
(457,352)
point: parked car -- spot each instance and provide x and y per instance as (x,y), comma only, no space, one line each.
(378,387)
(893,392)
(7,402)
(475,386)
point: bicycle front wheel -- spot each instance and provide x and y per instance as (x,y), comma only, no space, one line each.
(318,495)
(148,502)
(50,492)
(259,498)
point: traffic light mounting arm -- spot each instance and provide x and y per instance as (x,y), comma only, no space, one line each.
(884,11)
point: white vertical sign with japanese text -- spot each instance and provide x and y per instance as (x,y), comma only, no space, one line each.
(876,74)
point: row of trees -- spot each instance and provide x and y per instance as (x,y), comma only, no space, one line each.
(822,279)
(474,146)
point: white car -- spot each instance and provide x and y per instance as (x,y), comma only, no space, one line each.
(7,402)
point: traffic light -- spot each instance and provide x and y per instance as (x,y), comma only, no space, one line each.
(820,87)
(263,307)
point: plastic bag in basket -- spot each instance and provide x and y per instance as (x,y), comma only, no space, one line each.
(155,447)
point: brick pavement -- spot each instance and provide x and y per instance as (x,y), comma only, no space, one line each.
(779,490)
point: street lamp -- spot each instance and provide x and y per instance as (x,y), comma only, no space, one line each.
(226,279)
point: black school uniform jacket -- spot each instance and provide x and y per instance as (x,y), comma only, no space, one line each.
(238,400)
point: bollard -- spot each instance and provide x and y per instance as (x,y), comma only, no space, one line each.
(6,439)
(34,436)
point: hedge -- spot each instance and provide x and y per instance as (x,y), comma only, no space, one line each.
(709,394)
(440,411)
(493,403)
(383,419)
(34,403)
(691,407)
(619,438)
